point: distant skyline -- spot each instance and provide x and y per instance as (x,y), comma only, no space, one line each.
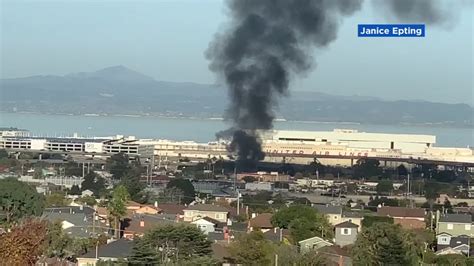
(167,40)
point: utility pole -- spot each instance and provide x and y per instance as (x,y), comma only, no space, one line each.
(238,203)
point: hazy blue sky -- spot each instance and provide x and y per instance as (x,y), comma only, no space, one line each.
(167,39)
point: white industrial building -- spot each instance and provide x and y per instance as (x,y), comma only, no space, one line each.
(407,143)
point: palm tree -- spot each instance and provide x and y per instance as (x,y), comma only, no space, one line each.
(117,207)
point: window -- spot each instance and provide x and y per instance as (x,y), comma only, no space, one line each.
(450,226)
(346,231)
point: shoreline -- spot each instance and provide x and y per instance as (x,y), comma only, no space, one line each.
(276,120)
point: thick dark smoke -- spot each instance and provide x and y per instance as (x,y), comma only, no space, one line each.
(415,11)
(268,40)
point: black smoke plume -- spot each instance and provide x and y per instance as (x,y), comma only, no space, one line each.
(415,11)
(265,42)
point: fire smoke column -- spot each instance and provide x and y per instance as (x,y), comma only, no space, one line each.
(431,12)
(265,42)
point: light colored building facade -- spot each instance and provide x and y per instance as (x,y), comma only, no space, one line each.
(195,212)
(455,225)
(346,233)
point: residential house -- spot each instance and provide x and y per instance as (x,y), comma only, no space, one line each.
(206,224)
(138,224)
(261,221)
(87,193)
(134,207)
(455,225)
(448,244)
(194,212)
(76,221)
(336,215)
(346,233)
(408,218)
(171,208)
(113,251)
(313,243)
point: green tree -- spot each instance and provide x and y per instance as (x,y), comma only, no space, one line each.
(75,190)
(3,154)
(57,241)
(170,243)
(88,200)
(402,170)
(17,200)
(94,183)
(72,169)
(303,221)
(56,200)
(384,244)
(367,168)
(252,249)
(184,185)
(385,187)
(134,187)
(370,220)
(117,207)
(118,165)
(432,192)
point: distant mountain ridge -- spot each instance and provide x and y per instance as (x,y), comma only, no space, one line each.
(119,90)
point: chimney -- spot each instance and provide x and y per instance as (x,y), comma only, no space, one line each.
(142,223)
(254,215)
(226,233)
(274,230)
(156,204)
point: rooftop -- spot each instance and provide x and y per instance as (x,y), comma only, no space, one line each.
(401,212)
(455,218)
(207,207)
(347,224)
(121,248)
(328,209)
(262,221)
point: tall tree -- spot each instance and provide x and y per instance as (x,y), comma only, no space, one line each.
(18,199)
(171,243)
(367,168)
(118,165)
(56,200)
(384,186)
(117,207)
(184,185)
(303,222)
(384,244)
(94,183)
(252,249)
(133,185)
(24,244)
(75,190)
(57,241)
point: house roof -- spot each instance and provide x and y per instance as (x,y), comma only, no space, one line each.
(455,218)
(262,221)
(149,221)
(207,207)
(170,208)
(401,212)
(220,252)
(328,209)
(208,219)
(121,248)
(274,235)
(315,239)
(347,224)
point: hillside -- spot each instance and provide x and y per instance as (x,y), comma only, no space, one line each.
(120,90)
